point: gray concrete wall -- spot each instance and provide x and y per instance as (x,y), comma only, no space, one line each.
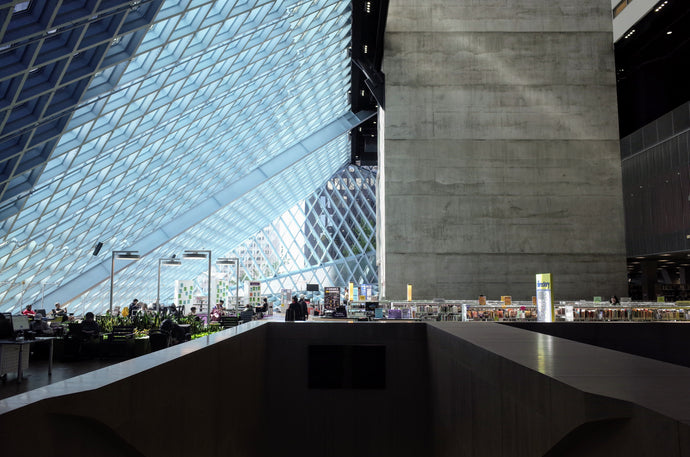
(501,155)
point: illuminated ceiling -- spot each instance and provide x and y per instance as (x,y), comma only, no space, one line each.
(159,126)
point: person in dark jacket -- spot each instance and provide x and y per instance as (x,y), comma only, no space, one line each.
(304,308)
(89,326)
(294,311)
(174,330)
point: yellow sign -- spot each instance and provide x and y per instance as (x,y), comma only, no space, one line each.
(351,291)
(507,300)
(482,300)
(409,292)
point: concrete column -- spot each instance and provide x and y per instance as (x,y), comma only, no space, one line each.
(649,275)
(501,156)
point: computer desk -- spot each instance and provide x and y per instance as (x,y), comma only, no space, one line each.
(24,345)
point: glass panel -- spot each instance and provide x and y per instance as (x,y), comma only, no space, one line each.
(210,96)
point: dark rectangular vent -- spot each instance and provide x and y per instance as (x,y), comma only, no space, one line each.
(347,367)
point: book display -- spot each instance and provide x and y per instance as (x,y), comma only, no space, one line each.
(253,293)
(498,311)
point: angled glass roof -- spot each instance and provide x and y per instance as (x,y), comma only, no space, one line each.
(160,126)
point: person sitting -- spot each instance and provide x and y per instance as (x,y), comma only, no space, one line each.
(176,332)
(192,314)
(262,309)
(40,326)
(218,311)
(248,314)
(134,307)
(89,326)
(28,311)
(59,312)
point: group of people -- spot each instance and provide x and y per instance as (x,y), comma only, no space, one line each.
(298,310)
(40,326)
(219,310)
(57,312)
(137,307)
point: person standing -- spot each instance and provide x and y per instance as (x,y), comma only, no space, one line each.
(294,311)
(303,308)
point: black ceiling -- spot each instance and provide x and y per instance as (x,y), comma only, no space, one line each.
(652,66)
(367,89)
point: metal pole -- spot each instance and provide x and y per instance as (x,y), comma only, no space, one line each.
(209,288)
(158,294)
(237,284)
(112,267)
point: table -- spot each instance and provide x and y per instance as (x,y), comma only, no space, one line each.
(23,346)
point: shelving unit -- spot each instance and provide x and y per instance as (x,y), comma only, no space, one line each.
(583,311)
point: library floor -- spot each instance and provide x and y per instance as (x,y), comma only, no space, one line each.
(37,374)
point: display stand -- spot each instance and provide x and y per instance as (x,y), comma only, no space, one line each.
(497,311)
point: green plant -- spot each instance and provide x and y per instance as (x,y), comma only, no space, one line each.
(209,330)
(107,321)
(196,326)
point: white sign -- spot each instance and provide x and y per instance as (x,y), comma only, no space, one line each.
(544,298)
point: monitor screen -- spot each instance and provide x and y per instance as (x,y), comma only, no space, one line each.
(312,287)
(371,305)
(20,322)
(42,312)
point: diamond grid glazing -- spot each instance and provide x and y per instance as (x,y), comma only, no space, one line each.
(210,94)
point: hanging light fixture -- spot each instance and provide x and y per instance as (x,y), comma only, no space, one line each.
(121,255)
(202,254)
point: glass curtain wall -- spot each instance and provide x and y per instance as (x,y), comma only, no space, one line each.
(326,238)
(119,119)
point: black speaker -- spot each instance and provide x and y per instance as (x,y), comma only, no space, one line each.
(97,248)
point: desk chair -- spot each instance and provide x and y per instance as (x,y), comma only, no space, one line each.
(121,341)
(229,321)
(159,339)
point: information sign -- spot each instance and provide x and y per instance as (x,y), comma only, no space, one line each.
(285,299)
(331,298)
(545,312)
